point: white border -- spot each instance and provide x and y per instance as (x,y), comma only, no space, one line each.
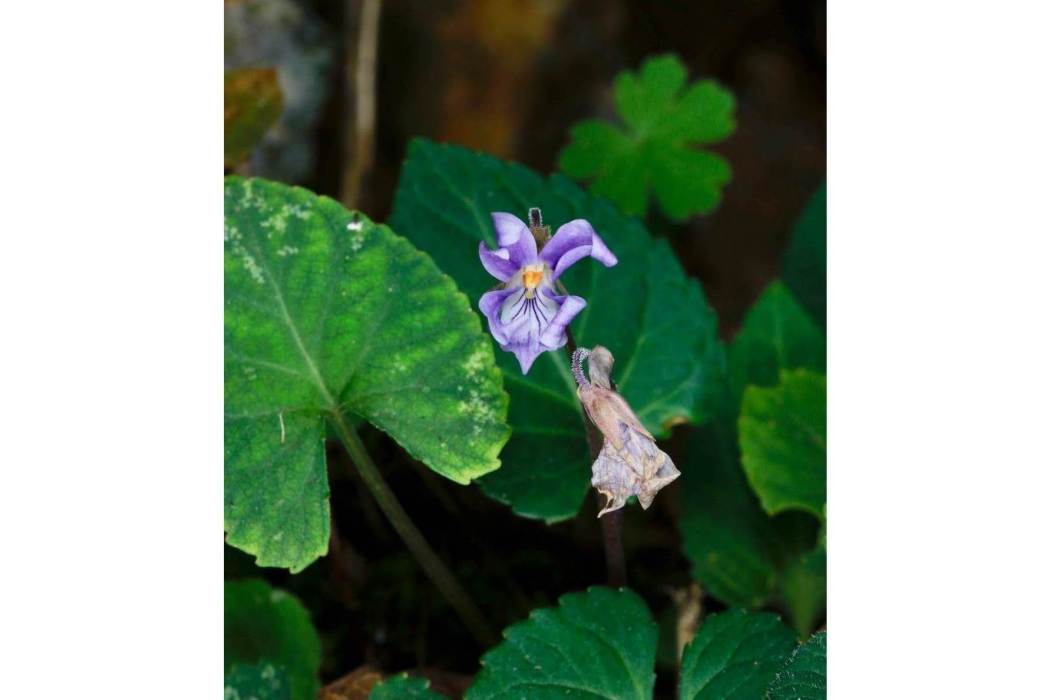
(110,281)
(939,360)
(111,289)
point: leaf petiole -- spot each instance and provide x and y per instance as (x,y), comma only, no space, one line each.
(431,564)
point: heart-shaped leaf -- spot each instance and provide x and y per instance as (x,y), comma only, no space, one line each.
(269,628)
(327,312)
(783,433)
(656,321)
(596,644)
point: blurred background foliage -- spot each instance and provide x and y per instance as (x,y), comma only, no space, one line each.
(513,78)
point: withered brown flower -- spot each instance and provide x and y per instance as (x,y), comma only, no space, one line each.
(629,463)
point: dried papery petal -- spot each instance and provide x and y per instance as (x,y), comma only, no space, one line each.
(630,463)
(599,366)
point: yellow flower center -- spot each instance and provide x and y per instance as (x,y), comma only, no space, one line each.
(531,277)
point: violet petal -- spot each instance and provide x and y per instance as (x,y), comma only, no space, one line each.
(490,305)
(495,263)
(553,336)
(573,241)
(526,354)
(514,235)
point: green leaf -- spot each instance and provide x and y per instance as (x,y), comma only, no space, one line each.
(600,643)
(730,541)
(326,313)
(402,687)
(735,655)
(276,488)
(805,583)
(782,442)
(261,681)
(805,263)
(656,152)
(252,103)
(264,624)
(601,150)
(656,321)
(777,334)
(804,675)
(686,181)
(642,99)
(739,554)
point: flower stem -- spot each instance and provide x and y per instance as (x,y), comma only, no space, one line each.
(612,523)
(432,565)
(612,538)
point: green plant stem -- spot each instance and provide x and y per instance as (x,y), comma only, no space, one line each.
(612,523)
(432,565)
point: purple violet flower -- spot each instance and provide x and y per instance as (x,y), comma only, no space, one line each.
(526,315)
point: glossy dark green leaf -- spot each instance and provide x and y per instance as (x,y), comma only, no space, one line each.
(805,263)
(777,334)
(403,687)
(656,152)
(732,544)
(327,313)
(656,321)
(260,681)
(783,434)
(267,626)
(739,554)
(804,675)
(252,103)
(596,644)
(734,656)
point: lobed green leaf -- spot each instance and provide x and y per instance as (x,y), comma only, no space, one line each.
(656,152)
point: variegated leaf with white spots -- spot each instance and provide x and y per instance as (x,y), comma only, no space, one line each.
(328,313)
